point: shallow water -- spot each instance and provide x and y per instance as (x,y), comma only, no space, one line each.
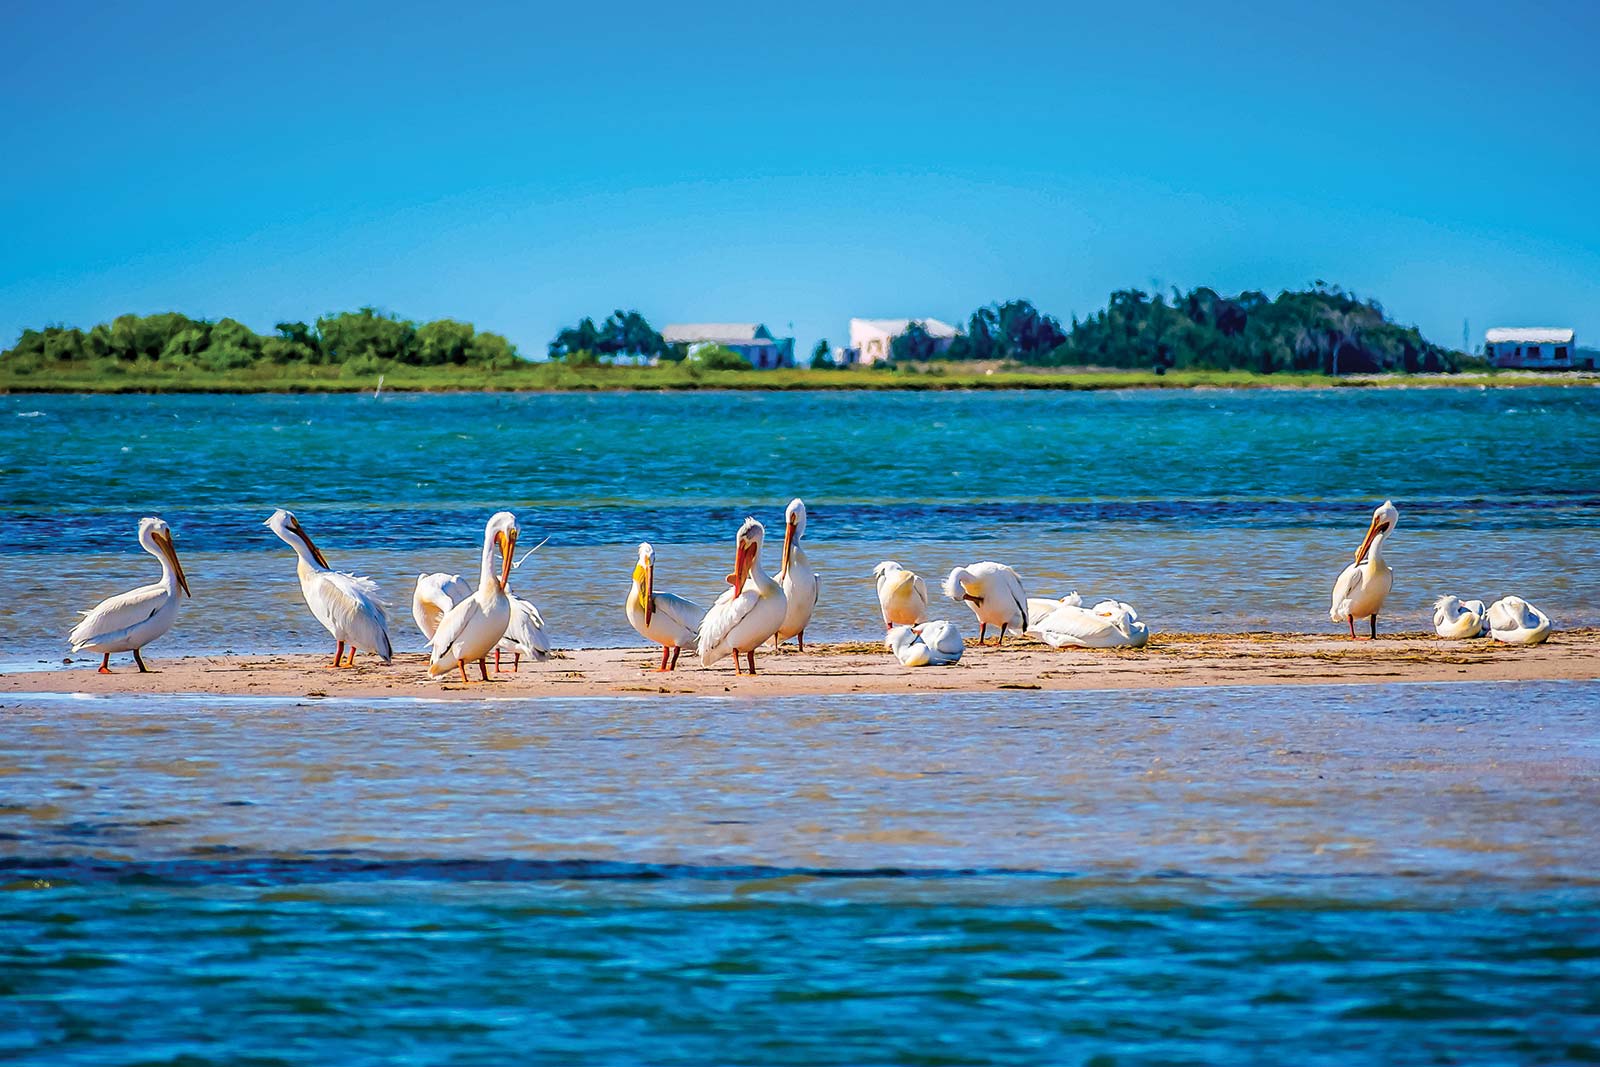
(1217,510)
(1321,875)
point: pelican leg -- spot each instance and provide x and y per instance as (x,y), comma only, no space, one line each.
(105,664)
(463,665)
(751,656)
(483,669)
(663,660)
(800,639)
(674,664)
(338,654)
(140,661)
(497,659)
(1001,642)
(352,662)
(1352,621)
(1373,622)
(516,662)
(738,668)
(982,626)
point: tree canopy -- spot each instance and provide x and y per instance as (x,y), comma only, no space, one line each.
(623,334)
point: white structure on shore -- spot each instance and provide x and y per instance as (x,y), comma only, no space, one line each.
(872,339)
(1534,348)
(752,340)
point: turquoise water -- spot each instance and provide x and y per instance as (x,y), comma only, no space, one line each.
(1219,510)
(1329,875)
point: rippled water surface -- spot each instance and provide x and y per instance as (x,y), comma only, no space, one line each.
(1398,874)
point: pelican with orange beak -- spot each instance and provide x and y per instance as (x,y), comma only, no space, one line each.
(799,581)
(471,629)
(750,612)
(1362,587)
(129,621)
(670,621)
(347,605)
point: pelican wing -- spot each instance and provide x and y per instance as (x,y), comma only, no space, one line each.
(114,616)
(351,608)
(525,633)
(1346,589)
(682,612)
(726,614)
(435,595)
(452,628)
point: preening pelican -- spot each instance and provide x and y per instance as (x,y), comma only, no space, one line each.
(129,621)
(1360,591)
(799,581)
(1517,622)
(1455,619)
(670,621)
(435,595)
(471,628)
(1039,607)
(750,612)
(935,644)
(902,595)
(1109,624)
(346,605)
(995,594)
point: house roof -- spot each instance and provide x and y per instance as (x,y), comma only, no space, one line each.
(896,327)
(1529,335)
(720,332)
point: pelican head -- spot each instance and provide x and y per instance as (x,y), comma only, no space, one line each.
(1384,518)
(746,550)
(644,573)
(794,528)
(156,537)
(955,586)
(502,531)
(283,523)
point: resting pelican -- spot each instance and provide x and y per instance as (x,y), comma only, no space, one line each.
(1455,619)
(936,644)
(1109,624)
(1360,591)
(902,595)
(471,628)
(799,581)
(347,606)
(129,621)
(749,613)
(670,621)
(995,594)
(1517,622)
(435,595)
(1039,607)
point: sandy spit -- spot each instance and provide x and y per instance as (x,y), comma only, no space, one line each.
(1171,660)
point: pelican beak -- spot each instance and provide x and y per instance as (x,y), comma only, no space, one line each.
(649,591)
(969,598)
(1372,531)
(507,539)
(788,547)
(300,532)
(164,541)
(743,557)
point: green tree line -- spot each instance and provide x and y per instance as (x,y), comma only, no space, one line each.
(351,338)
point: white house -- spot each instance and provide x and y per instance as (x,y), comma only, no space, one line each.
(1536,348)
(752,340)
(870,339)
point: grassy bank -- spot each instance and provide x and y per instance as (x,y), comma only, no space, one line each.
(151,377)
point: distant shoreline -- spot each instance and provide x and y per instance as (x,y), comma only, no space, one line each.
(557,378)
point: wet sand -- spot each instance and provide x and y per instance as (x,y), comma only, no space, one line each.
(1170,661)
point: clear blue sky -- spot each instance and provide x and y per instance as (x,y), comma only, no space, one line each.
(519,166)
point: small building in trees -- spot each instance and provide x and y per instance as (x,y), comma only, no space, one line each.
(1535,348)
(752,340)
(872,340)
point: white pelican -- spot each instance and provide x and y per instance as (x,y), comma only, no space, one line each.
(1517,622)
(936,644)
(750,612)
(670,621)
(435,595)
(1360,591)
(525,634)
(1039,607)
(995,594)
(799,581)
(129,621)
(346,605)
(471,628)
(1109,624)
(1455,619)
(902,595)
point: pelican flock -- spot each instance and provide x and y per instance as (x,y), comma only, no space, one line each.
(129,621)
(462,624)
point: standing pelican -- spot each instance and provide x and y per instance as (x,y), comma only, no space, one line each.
(525,634)
(799,581)
(750,612)
(347,606)
(936,644)
(1360,591)
(670,621)
(435,595)
(129,621)
(471,628)
(902,595)
(995,594)
(1455,619)
(1109,624)
(1514,621)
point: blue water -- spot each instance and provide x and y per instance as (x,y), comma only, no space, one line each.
(1327,875)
